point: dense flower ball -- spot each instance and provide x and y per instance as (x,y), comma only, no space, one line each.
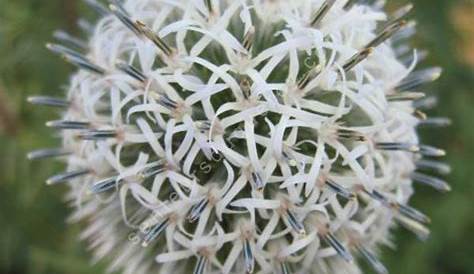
(243,136)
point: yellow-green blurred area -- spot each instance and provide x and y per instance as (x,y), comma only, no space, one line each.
(34,236)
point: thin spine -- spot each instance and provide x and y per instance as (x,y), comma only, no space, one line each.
(47,153)
(64,124)
(295,224)
(94,135)
(322,12)
(98,7)
(440,167)
(132,71)
(198,209)
(150,34)
(124,18)
(104,185)
(339,190)
(372,260)
(249,258)
(357,59)
(67,38)
(155,231)
(48,101)
(66,176)
(201,265)
(431,181)
(340,249)
(418,78)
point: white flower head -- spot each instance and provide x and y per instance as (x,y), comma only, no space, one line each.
(243,136)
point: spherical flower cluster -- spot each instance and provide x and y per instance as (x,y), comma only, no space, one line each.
(243,136)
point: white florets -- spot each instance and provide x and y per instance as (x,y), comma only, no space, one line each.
(256,136)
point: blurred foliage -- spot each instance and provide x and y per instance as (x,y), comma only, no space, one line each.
(34,237)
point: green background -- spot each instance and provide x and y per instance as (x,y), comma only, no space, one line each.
(34,237)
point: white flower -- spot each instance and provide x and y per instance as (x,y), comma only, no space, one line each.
(255,136)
